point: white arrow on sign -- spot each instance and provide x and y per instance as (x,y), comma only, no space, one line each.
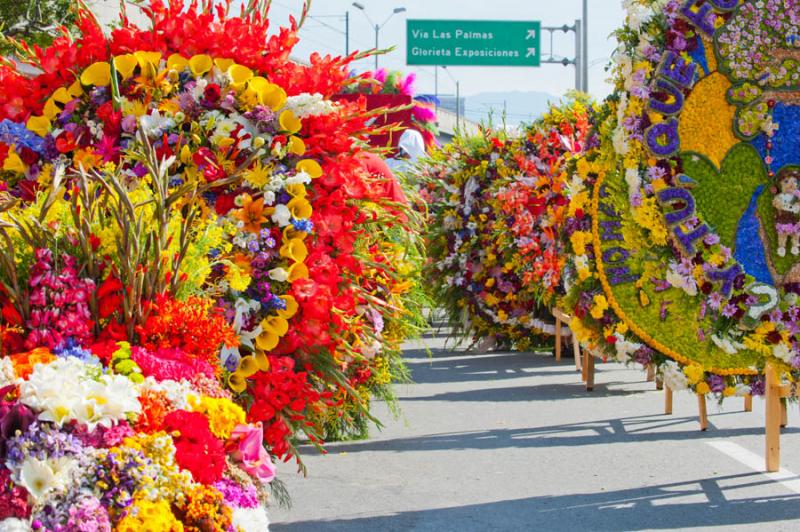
(531,52)
(531,35)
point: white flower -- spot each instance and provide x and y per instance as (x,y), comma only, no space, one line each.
(250,519)
(726,344)
(41,476)
(282,215)
(306,104)
(279,274)
(634,181)
(14,525)
(177,392)
(673,376)
(625,348)
(153,125)
(742,389)
(299,177)
(199,89)
(7,375)
(69,389)
(782,352)
(269,197)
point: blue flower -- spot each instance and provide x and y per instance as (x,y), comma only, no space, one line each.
(16,133)
(306,226)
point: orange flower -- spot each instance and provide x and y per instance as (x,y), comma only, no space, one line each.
(251,213)
(25,362)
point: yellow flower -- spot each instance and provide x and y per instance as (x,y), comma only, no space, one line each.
(239,75)
(702,388)
(150,516)
(291,307)
(237,381)
(13,163)
(289,122)
(273,327)
(177,62)
(294,249)
(223,64)
(98,74)
(258,175)
(200,64)
(300,207)
(728,391)
(694,373)
(296,146)
(298,270)
(223,414)
(599,307)
(39,125)
(311,167)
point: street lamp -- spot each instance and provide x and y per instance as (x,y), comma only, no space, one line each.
(378,27)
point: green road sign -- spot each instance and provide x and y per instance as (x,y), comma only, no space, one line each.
(473,42)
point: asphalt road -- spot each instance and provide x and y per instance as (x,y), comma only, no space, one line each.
(512,441)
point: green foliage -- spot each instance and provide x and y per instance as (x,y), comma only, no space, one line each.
(34,21)
(722,196)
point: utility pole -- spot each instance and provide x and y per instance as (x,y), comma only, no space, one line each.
(585,50)
(458,105)
(346,33)
(436,81)
(579,55)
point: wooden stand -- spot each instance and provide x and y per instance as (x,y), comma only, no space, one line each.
(701,406)
(775,395)
(561,319)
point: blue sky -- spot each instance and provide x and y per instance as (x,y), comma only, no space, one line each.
(325,34)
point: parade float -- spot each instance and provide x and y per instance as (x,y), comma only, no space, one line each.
(498,206)
(693,204)
(197,270)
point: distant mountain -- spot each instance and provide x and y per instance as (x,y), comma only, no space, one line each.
(520,106)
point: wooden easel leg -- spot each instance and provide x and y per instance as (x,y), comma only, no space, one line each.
(585,367)
(748,403)
(576,349)
(651,373)
(773,419)
(558,339)
(784,413)
(590,374)
(667,400)
(701,405)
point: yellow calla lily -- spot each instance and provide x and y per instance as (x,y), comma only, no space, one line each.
(262,361)
(247,366)
(237,382)
(148,59)
(98,74)
(273,97)
(296,146)
(296,190)
(267,341)
(223,63)
(76,89)
(51,109)
(200,64)
(62,95)
(177,62)
(311,167)
(13,163)
(186,154)
(298,270)
(289,122)
(295,250)
(290,232)
(125,65)
(39,125)
(239,75)
(275,325)
(300,207)
(291,307)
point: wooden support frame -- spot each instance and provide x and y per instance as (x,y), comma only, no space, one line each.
(775,395)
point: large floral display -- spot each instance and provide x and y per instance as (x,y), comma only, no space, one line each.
(498,207)
(196,269)
(695,207)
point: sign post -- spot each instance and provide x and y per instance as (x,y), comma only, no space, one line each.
(473,43)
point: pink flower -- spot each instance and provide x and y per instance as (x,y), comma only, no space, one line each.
(250,451)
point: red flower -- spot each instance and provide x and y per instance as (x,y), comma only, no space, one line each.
(196,448)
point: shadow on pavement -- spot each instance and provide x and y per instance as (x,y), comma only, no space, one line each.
(661,506)
(623,430)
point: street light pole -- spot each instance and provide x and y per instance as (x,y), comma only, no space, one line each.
(585,46)
(346,33)
(395,11)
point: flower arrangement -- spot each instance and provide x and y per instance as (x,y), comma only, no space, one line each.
(498,206)
(688,148)
(196,270)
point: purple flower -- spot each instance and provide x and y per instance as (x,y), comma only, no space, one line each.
(716,383)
